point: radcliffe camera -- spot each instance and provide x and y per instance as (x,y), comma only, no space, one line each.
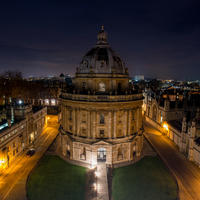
(100,100)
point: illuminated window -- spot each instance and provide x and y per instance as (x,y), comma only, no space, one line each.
(53,102)
(102,87)
(46,102)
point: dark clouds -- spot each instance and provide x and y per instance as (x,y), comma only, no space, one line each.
(155,38)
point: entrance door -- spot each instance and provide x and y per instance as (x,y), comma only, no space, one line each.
(101,155)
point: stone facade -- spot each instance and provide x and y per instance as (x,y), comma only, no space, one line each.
(161,112)
(101,118)
(20,134)
(185,134)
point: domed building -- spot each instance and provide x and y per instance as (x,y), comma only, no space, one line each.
(101,113)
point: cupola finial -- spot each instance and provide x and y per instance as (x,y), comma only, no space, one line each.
(102,37)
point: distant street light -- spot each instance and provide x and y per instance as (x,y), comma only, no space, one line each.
(20,101)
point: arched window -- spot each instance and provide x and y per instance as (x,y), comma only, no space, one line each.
(102,121)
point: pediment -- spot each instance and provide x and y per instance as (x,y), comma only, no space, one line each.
(101,142)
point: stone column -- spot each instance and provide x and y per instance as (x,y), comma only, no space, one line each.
(88,124)
(140,117)
(64,118)
(93,124)
(74,121)
(129,122)
(114,124)
(137,119)
(109,124)
(125,123)
(78,121)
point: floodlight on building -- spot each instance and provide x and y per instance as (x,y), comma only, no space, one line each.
(95,186)
(97,174)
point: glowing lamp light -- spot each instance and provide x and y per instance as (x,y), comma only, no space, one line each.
(165,126)
(97,174)
(2,164)
(93,164)
(20,102)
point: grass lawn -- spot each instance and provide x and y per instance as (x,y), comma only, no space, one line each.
(55,179)
(148,179)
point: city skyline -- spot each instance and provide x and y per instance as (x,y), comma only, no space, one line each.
(159,39)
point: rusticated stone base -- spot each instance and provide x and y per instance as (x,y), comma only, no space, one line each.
(110,151)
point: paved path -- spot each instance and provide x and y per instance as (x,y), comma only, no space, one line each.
(102,182)
(186,173)
(13,179)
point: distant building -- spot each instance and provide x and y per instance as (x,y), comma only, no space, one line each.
(101,113)
(46,92)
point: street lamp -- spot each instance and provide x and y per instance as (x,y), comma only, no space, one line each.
(20,102)
(165,126)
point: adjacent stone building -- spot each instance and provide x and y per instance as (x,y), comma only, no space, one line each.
(176,114)
(101,114)
(21,129)
(170,104)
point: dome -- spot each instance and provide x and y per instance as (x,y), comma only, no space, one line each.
(101,58)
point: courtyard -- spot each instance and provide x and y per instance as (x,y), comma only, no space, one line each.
(147,179)
(54,178)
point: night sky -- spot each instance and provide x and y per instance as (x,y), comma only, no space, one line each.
(155,38)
